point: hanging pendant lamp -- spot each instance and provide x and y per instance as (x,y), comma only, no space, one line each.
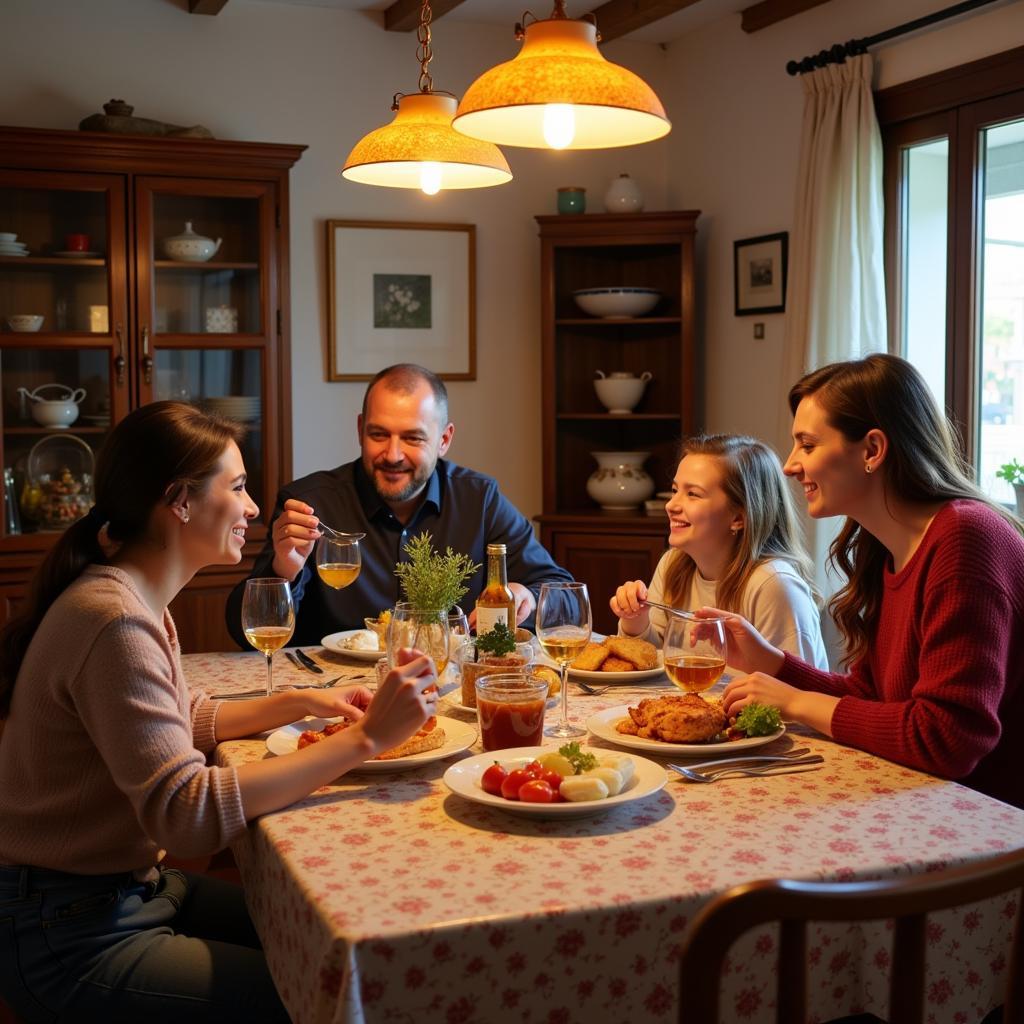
(419,148)
(560,92)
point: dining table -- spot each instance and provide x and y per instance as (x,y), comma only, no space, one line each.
(386,897)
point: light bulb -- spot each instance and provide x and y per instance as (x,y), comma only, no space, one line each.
(559,125)
(430,177)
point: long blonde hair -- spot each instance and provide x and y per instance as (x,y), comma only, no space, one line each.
(753,481)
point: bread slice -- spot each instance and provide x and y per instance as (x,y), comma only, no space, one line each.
(639,653)
(417,744)
(592,657)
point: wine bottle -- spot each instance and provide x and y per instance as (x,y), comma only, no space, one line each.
(496,602)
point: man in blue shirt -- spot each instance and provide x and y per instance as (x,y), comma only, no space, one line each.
(399,488)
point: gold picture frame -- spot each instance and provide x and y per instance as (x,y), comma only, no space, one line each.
(400,292)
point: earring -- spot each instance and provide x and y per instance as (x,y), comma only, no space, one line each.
(185,517)
(868,467)
(734,530)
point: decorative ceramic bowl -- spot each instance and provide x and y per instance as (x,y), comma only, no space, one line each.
(617,303)
(620,392)
(620,482)
(25,323)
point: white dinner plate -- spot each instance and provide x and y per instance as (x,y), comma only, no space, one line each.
(616,678)
(602,725)
(463,779)
(334,642)
(459,736)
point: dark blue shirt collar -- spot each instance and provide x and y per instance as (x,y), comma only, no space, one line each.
(375,507)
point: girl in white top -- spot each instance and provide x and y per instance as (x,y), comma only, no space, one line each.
(732,545)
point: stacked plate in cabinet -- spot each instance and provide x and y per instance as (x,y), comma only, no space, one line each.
(245,408)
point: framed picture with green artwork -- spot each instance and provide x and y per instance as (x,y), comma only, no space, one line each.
(401,293)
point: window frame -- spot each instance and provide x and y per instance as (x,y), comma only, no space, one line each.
(955,104)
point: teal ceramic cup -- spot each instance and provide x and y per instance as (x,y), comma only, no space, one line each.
(572,199)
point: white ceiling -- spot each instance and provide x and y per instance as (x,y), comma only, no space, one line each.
(508,12)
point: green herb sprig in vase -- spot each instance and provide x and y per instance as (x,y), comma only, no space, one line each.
(431,581)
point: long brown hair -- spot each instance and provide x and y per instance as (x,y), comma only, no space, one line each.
(148,458)
(923,465)
(753,481)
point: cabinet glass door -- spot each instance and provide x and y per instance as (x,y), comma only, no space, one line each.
(63,364)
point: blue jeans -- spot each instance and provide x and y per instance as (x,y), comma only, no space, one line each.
(81,948)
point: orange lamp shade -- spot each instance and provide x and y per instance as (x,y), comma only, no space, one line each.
(420,149)
(560,92)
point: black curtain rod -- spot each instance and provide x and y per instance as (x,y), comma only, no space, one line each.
(837,54)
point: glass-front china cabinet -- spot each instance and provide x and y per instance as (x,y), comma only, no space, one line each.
(134,269)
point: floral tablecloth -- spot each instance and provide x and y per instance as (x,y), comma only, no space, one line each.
(384,897)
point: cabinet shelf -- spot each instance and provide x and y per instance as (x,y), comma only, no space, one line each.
(48,262)
(208,265)
(73,429)
(619,417)
(613,321)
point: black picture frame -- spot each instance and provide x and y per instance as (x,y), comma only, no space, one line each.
(760,268)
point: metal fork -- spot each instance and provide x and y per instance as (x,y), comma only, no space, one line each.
(808,764)
(741,761)
(587,688)
(246,694)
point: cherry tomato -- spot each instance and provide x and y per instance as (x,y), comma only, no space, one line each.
(516,779)
(534,769)
(552,778)
(492,779)
(537,791)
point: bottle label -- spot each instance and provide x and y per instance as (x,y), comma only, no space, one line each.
(488,618)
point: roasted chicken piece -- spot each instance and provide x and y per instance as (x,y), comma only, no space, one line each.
(678,719)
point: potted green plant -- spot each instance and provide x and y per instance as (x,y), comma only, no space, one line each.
(1013,473)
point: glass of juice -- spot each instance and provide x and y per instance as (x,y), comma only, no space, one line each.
(338,558)
(510,709)
(695,652)
(268,618)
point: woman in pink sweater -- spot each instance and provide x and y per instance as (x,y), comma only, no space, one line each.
(103,753)
(933,609)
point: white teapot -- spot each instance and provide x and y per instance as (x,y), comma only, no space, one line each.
(59,412)
(621,391)
(190,247)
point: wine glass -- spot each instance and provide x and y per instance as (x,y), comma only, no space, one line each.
(458,632)
(563,630)
(268,618)
(338,558)
(695,652)
(427,631)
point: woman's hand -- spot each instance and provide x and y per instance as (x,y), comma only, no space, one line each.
(748,650)
(626,603)
(400,706)
(813,709)
(347,701)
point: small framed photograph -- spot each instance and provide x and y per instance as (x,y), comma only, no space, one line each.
(760,274)
(401,293)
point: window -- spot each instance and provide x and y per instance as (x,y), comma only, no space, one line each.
(954,153)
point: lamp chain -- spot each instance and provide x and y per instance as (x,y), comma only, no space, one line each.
(423,51)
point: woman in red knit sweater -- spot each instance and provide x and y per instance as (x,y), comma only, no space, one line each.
(933,609)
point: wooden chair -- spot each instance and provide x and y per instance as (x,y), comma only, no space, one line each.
(793,903)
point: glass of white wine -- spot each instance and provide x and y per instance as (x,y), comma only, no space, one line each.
(563,630)
(695,652)
(339,559)
(268,618)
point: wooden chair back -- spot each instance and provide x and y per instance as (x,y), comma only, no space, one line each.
(794,903)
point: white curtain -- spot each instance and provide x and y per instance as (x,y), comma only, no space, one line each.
(836,301)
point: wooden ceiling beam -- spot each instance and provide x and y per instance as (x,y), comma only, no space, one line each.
(617,17)
(768,12)
(404,15)
(206,6)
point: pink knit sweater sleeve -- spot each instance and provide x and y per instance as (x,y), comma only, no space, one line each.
(144,734)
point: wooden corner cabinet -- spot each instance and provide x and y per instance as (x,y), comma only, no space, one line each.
(101,312)
(644,250)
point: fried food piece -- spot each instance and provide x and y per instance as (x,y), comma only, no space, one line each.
(677,719)
(309,737)
(550,676)
(592,657)
(428,738)
(614,664)
(627,727)
(639,653)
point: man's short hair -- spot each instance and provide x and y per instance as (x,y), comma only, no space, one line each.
(404,378)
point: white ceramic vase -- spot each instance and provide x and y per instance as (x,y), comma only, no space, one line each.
(620,481)
(620,392)
(623,196)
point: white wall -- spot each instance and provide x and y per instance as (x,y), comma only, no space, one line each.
(736,118)
(291,73)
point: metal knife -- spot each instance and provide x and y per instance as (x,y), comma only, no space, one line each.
(721,762)
(308,662)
